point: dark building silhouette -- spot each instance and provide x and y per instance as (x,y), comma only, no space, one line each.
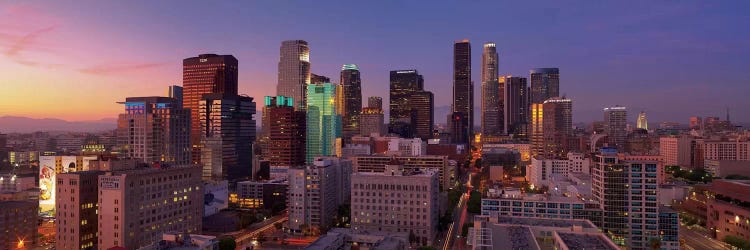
(227,133)
(422,104)
(545,84)
(516,106)
(404,83)
(285,131)
(463,92)
(352,100)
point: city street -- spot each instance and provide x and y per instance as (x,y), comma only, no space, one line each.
(697,240)
(460,217)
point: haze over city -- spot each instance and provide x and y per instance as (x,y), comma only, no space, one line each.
(673,60)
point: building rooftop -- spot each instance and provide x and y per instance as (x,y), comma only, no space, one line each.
(510,237)
(544,222)
(586,241)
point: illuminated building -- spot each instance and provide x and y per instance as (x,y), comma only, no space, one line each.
(371,120)
(227,133)
(286,132)
(323,122)
(18,222)
(76,205)
(463,92)
(205,74)
(422,104)
(642,122)
(294,71)
(137,206)
(261,194)
(543,170)
(727,214)
(677,150)
(375,102)
(439,163)
(315,193)
(545,84)
(352,99)
(492,94)
(403,84)
(516,106)
(615,122)
(396,200)
(155,129)
(552,125)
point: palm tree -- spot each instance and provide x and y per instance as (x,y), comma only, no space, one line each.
(655,243)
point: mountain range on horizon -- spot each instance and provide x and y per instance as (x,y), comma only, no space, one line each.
(18,124)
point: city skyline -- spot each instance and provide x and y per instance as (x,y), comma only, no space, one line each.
(598,65)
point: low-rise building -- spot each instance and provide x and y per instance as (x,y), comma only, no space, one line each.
(261,194)
(18,224)
(724,168)
(345,238)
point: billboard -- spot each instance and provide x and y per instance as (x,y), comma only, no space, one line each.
(47,183)
(68,164)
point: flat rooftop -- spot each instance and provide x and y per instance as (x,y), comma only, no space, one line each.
(544,222)
(586,241)
(509,237)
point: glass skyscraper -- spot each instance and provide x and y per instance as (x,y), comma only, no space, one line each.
(492,94)
(352,99)
(294,71)
(323,123)
(463,91)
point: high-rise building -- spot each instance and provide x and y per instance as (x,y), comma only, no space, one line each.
(457,125)
(316,191)
(516,108)
(286,132)
(463,90)
(422,104)
(317,79)
(352,95)
(627,191)
(294,71)
(227,135)
(404,83)
(375,102)
(545,84)
(76,207)
(155,129)
(137,206)
(552,125)
(642,122)
(176,92)
(615,123)
(396,200)
(371,120)
(492,94)
(323,122)
(205,74)
(677,150)
(439,163)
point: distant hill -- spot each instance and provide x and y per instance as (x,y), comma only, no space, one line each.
(16,124)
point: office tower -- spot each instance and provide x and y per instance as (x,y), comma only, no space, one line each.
(323,121)
(396,200)
(286,132)
(677,150)
(371,121)
(642,122)
(492,94)
(627,191)
(457,125)
(315,192)
(552,125)
(155,129)
(19,224)
(545,84)
(516,106)
(76,207)
(205,74)
(352,99)
(439,163)
(375,102)
(318,79)
(422,104)
(404,83)
(294,71)
(227,134)
(176,93)
(269,194)
(137,206)
(615,121)
(463,90)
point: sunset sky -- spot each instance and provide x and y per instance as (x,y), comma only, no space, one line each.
(74,59)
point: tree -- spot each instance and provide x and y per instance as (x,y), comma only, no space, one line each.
(277,225)
(736,177)
(655,243)
(737,242)
(277,208)
(474,204)
(426,248)
(465,229)
(227,244)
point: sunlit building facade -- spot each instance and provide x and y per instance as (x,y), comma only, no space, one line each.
(552,125)
(323,122)
(76,210)
(294,71)
(155,129)
(227,133)
(642,122)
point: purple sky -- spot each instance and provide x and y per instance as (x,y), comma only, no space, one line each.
(672,59)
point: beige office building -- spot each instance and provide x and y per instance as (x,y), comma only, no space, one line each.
(676,150)
(376,164)
(396,200)
(76,206)
(137,206)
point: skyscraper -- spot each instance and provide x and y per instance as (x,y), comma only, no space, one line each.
(463,90)
(552,125)
(316,79)
(642,122)
(294,71)
(286,132)
(404,83)
(615,122)
(516,106)
(77,200)
(422,104)
(371,120)
(352,99)
(545,84)
(205,74)
(375,102)
(176,93)
(492,96)
(154,129)
(227,133)
(323,122)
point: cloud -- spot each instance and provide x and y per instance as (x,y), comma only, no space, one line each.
(108,69)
